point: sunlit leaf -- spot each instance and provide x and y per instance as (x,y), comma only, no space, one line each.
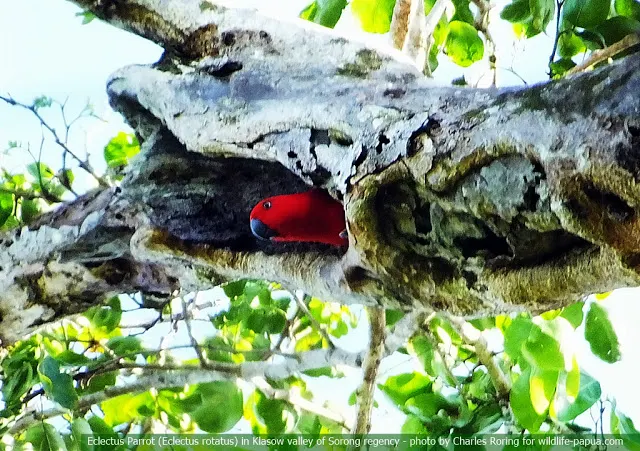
(324,12)
(463,45)
(628,8)
(121,149)
(521,404)
(567,409)
(374,15)
(600,334)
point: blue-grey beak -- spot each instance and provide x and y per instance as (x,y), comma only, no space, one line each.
(261,231)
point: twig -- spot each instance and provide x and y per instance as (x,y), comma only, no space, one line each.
(366,391)
(472,336)
(404,329)
(482,25)
(430,24)
(316,325)
(413,45)
(83,164)
(194,342)
(599,56)
(399,23)
(559,4)
(430,335)
(296,400)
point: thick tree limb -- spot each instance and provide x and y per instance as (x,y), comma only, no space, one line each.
(476,202)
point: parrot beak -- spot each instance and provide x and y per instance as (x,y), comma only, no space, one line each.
(261,231)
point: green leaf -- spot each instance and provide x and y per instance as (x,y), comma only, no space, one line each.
(616,28)
(585,13)
(422,349)
(234,289)
(6,207)
(481,387)
(120,149)
(38,170)
(558,69)
(106,317)
(327,371)
(515,335)
(324,12)
(521,405)
(569,44)
(622,427)
(100,427)
(600,334)
(68,357)
(463,45)
(42,102)
(574,314)
(29,209)
(593,41)
(413,425)
(402,387)
(81,427)
(463,12)
(99,382)
(567,409)
(393,316)
(57,385)
(487,419)
(426,406)
(542,386)
(45,437)
(628,8)
(125,346)
(17,381)
(87,16)
(126,408)
(543,350)
(374,15)
(542,11)
(517,11)
(221,408)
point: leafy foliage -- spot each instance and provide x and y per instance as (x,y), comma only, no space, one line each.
(456,395)
(324,12)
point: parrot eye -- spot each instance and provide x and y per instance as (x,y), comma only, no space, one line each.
(267,205)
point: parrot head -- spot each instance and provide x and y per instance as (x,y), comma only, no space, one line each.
(261,216)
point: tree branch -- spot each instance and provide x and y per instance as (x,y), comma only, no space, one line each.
(474,337)
(399,23)
(165,376)
(599,56)
(367,389)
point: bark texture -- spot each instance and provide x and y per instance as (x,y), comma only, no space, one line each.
(476,202)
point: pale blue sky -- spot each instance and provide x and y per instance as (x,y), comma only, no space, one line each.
(44,49)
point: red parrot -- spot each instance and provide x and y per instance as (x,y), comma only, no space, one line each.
(312,216)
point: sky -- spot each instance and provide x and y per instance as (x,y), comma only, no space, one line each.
(44,49)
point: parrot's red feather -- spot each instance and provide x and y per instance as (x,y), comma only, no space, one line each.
(312,216)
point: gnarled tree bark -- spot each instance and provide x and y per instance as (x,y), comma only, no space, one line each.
(472,201)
